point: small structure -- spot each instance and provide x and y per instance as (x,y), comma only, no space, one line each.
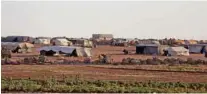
(119,42)
(150,49)
(102,39)
(42,40)
(177,51)
(19,39)
(196,48)
(17,47)
(82,42)
(61,42)
(66,50)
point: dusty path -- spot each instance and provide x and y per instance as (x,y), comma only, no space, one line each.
(91,73)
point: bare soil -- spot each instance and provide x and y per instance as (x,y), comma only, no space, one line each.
(101,73)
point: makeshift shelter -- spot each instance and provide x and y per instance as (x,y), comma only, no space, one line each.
(150,49)
(42,40)
(119,42)
(19,39)
(61,42)
(68,50)
(17,47)
(177,51)
(82,42)
(196,48)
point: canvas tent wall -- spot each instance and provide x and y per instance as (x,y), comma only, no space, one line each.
(19,39)
(68,50)
(61,42)
(196,48)
(17,47)
(150,49)
(82,42)
(178,51)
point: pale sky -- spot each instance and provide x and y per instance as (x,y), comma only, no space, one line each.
(135,19)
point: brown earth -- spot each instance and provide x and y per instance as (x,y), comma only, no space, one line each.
(93,72)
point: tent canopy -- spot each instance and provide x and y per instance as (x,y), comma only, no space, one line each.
(14,45)
(72,50)
(19,39)
(173,51)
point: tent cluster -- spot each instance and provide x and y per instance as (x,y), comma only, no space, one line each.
(18,39)
(17,47)
(65,50)
(155,49)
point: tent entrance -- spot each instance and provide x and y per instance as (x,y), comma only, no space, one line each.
(203,49)
(74,53)
(47,53)
(140,50)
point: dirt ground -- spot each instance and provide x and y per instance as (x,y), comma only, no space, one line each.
(94,72)
(109,72)
(115,52)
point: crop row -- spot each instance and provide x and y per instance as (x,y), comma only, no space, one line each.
(76,85)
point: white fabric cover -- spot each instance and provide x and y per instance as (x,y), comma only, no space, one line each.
(178,51)
(65,49)
(42,41)
(68,50)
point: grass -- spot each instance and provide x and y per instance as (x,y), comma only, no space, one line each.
(78,85)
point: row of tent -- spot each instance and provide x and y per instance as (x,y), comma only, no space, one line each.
(171,51)
(23,47)
(17,47)
(58,41)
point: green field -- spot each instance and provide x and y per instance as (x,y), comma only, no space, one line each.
(78,85)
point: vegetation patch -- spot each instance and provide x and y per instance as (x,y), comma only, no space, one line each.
(77,85)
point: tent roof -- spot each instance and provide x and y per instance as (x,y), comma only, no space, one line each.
(177,49)
(149,45)
(43,38)
(67,49)
(14,45)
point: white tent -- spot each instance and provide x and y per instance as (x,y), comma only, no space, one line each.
(42,41)
(178,51)
(17,46)
(61,42)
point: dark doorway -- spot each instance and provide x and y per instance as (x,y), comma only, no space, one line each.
(140,50)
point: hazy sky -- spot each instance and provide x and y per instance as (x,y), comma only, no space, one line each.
(150,19)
